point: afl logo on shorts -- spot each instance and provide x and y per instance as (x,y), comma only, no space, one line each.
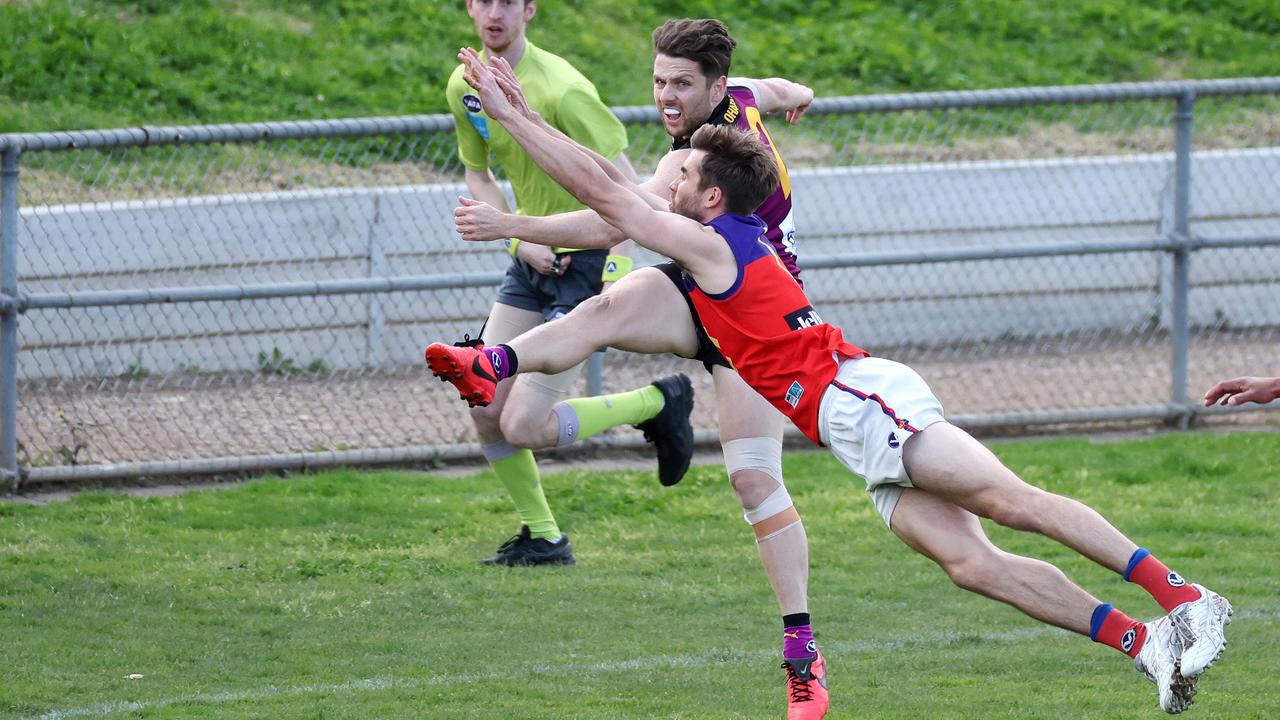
(1175,580)
(471,103)
(893,441)
(793,393)
(1126,642)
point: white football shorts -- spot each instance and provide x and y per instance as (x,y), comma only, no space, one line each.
(866,416)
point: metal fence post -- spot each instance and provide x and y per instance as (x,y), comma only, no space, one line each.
(9,317)
(377,267)
(1182,246)
(595,374)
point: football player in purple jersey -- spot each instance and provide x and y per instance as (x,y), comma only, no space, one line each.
(649,311)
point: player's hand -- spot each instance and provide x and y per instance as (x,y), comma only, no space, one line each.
(479,221)
(506,78)
(543,260)
(1238,391)
(481,77)
(797,112)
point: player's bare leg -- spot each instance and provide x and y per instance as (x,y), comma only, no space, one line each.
(951,465)
(948,462)
(539,415)
(953,537)
(751,434)
(623,318)
(743,415)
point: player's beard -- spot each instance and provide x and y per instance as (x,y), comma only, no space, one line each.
(685,205)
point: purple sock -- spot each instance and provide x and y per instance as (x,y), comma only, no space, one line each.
(503,360)
(797,642)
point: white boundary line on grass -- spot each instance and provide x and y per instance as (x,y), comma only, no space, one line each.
(699,660)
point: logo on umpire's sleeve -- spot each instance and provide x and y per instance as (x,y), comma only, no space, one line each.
(471,103)
(803,318)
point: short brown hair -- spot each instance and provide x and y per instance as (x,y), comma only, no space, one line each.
(705,41)
(738,163)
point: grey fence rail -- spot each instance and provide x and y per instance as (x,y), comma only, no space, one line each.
(237,298)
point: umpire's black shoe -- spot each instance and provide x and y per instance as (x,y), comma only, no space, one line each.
(670,431)
(522,550)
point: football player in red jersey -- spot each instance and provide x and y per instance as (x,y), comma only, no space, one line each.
(930,480)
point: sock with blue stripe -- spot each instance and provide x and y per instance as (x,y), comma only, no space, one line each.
(1166,586)
(1111,627)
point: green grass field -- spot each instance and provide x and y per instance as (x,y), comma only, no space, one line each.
(108,63)
(354,595)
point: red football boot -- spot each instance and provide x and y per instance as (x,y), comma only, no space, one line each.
(467,367)
(807,697)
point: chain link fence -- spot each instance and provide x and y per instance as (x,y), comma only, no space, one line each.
(253,297)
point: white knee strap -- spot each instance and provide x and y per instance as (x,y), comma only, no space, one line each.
(762,454)
(777,502)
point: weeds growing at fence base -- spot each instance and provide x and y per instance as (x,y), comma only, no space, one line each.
(356,595)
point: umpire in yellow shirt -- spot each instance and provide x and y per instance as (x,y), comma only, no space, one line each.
(542,283)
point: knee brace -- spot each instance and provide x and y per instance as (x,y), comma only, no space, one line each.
(778,502)
(763,455)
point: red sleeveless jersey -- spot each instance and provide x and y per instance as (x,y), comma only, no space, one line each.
(767,329)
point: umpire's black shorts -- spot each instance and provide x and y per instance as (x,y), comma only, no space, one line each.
(553,295)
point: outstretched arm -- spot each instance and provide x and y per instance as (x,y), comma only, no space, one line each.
(584,229)
(620,172)
(581,229)
(1242,390)
(486,192)
(775,95)
(677,237)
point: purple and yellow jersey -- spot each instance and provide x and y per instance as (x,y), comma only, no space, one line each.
(766,328)
(740,110)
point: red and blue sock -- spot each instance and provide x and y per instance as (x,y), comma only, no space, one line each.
(1166,586)
(1111,627)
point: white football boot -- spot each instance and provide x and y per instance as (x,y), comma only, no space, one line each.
(1158,662)
(1200,625)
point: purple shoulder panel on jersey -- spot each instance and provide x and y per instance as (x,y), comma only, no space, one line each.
(743,233)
